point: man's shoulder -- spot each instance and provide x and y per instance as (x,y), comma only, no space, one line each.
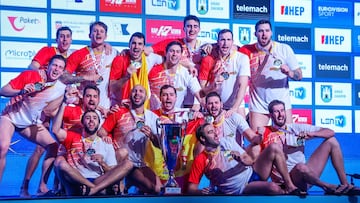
(33,74)
(120,112)
(73,136)
(80,52)
(47,49)
(150,113)
(123,56)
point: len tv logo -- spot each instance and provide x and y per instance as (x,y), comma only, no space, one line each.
(202,6)
(326,93)
(332,39)
(338,121)
(292,10)
(170,4)
(299,93)
(212,34)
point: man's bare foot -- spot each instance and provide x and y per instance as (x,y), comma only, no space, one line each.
(24,193)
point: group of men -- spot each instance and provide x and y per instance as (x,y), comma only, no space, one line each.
(106,108)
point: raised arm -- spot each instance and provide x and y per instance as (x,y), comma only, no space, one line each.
(59,132)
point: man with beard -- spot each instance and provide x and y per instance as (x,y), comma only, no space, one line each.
(89,165)
(271,64)
(171,72)
(77,104)
(232,171)
(168,113)
(231,129)
(291,139)
(34,96)
(133,129)
(131,68)
(226,71)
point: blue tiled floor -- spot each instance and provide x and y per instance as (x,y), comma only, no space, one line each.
(14,171)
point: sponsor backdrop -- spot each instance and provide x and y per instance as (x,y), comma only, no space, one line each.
(324,34)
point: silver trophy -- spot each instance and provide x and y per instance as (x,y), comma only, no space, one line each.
(172,140)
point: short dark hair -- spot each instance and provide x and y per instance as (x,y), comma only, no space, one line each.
(86,112)
(57,56)
(62,29)
(175,42)
(212,94)
(191,17)
(164,87)
(200,132)
(93,87)
(225,31)
(260,22)
(138,35)
(273,103)
(98,23)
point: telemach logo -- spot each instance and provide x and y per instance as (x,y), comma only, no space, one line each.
(289,38)
(251,9)
(333,67)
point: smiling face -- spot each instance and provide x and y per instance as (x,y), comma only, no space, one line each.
(136,46)
(173,55)
(191,29)
(55,69)
(138,96)
(278,115)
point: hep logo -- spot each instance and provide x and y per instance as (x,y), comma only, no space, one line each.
(332,39)
(292,10)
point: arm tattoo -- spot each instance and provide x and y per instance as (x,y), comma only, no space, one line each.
(296,75)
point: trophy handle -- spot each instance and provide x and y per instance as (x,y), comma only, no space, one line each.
(161,137)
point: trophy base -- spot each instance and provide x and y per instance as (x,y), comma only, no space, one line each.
(172,190)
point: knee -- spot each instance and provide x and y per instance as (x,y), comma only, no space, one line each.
(60,163)
(301,168)
(332,141)
(274,148)
(4,147)
(275,188)
(127,165)
(121,154)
